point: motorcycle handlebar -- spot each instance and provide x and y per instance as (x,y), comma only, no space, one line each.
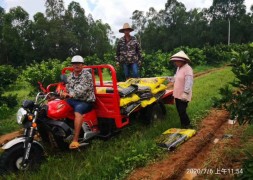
(44,96)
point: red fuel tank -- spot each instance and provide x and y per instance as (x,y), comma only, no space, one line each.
(58,109)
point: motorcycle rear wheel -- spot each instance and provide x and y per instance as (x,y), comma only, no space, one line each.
(11,158)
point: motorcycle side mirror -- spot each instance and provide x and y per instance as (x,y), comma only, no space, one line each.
(64,78)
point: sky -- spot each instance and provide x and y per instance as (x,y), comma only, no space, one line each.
(113,12)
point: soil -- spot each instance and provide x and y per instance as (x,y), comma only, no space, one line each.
(7,137)
(200,156)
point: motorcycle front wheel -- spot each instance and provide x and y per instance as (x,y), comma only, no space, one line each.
(11,158)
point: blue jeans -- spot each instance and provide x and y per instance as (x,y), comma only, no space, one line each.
(79,106)
(131,67)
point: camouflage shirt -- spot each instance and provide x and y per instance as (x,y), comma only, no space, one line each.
(81,87)
(128,52)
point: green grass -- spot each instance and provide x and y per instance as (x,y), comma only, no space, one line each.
(8,119)
(8,124)
(205,89)
(134,146)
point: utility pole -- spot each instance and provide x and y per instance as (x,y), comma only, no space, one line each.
(228,31)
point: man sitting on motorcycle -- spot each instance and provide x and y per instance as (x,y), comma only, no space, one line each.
(80,95)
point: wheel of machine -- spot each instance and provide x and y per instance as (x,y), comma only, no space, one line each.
(50,137)
(153,112)
(11,158)
(57,141)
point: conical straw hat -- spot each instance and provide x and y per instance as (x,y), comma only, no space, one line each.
(180,56)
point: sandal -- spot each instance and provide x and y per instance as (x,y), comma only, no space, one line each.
(74,145)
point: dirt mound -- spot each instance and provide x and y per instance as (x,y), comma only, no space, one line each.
(175,163)
(7,137)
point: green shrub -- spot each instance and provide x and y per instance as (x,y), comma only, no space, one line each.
(154,64)
(109,58)
(196,55)
(46,72)
(247,168)
(8,76)
(10,100)
(4,111)
(240,102)
(92,60)
(218,54)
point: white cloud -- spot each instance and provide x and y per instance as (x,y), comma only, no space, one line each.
(189,4)
(31,6)
(117,12)
(113,12)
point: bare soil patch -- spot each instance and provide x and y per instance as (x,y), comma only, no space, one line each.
(7,137)
(206,72)
(193,155)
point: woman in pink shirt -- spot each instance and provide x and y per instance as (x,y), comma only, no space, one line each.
(183,81)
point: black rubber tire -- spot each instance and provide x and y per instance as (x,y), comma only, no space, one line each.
(152,113)
(61,144)
(10,158)
(50,139)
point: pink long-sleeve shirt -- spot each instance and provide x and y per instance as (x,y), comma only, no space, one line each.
(183,82)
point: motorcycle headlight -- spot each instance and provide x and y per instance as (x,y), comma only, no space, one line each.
(21,115)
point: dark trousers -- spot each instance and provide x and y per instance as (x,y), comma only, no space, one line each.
(181,109)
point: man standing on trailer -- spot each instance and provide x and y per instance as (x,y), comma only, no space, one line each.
(128,53)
